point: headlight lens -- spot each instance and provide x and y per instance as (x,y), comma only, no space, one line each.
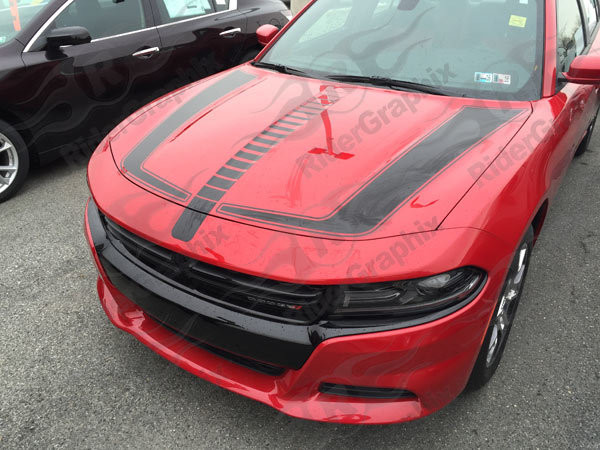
(413,297)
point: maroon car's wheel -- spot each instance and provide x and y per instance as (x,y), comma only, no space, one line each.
(497,335)
(14,161)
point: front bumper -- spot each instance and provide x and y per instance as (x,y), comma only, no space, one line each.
(431,360)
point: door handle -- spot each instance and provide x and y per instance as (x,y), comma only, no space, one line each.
(146,53)
(231,32)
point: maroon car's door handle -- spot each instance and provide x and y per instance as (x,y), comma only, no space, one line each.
(146,53)
(230,32)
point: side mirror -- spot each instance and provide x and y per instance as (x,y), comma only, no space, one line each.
(584,70)
(266,33)
(67,36)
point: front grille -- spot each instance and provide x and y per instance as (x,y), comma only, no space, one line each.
(259,296)
(257,366)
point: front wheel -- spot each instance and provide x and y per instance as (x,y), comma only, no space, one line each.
(585,144)
(497,334)
(14,161)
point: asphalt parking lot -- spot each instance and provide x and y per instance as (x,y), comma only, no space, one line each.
(68,378)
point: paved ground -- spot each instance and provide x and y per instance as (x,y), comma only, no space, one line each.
(69,378)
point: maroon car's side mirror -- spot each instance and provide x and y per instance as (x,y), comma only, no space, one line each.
(584,70)
(266,33)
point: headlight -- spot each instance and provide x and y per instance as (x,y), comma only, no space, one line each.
(407,298)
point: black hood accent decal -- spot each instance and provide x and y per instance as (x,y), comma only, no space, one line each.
(206,200)
(133,163)
(375,201)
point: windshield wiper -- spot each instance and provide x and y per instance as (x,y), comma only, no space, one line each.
(374,80)
(390,83)
(280,68)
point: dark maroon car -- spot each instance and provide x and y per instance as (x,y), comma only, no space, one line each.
(72,69)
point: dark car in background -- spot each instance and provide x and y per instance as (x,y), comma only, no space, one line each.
(70,70)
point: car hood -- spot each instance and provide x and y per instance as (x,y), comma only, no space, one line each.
(310,157)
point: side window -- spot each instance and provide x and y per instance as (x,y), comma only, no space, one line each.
(591,14)
(571,38)
(174,10)
(103,18)
(15,15)
(221,5)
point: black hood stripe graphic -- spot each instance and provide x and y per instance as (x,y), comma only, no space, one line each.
(272,134)
(308,113)
(287,122)
(230,173)
(248,156)
(211,193)
(299,118)
(257,148)
(392,187)
(205,201)
(133,164)
(236,163)
(220,183)
(286,129)
(262,140)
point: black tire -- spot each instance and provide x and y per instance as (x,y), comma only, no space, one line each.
(14,139)
(490,355)
(585,144)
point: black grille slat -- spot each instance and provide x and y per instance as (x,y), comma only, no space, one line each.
(251,285)
(291,302)
(343,390)
(128,238)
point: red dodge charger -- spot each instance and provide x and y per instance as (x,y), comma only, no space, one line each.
(341,229)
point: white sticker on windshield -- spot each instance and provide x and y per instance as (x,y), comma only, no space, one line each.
(484,77)
(2,39)
(500,78)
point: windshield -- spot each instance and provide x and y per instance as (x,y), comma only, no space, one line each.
(16,14)
(475,48)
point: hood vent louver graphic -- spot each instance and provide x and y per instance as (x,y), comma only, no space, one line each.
(206,200)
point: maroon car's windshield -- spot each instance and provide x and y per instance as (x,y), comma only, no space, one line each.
(475,48)
(16,14)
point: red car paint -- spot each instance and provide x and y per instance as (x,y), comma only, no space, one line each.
(472,213)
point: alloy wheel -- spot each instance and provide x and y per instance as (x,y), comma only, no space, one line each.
(9,163)
(508,304)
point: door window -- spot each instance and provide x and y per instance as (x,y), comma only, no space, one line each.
(16,15)
(174,10)
(103,18)
(221,5)
(571,39)
(591,14)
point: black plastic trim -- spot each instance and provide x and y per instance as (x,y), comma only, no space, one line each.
(365,392)
(257,366)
